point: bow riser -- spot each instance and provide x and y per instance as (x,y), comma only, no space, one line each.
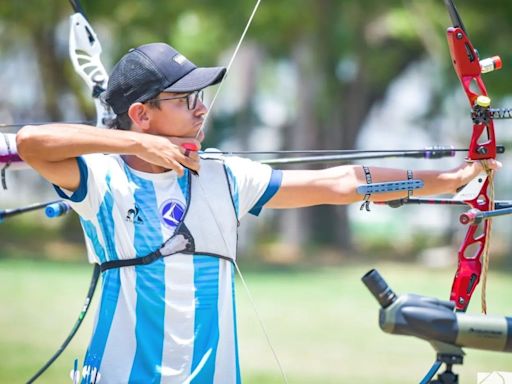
(482,146)
(469,266)
(467,66)
(470,253)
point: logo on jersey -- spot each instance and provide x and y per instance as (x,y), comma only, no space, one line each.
(133,215)
(172,212)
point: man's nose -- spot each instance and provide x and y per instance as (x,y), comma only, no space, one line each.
(200,108)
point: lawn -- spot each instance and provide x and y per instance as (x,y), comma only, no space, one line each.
(322,322)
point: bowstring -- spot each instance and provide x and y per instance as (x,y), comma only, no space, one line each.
(488,227)
(228,68)
(206,199)
(244,283)
(260,321)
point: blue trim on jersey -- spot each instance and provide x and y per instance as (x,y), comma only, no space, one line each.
(81,192)
(111,280)
(206,321)
(149,287)
(235,327)
(110,294)
(272,187)
(183,184)
(234,190)
(149,326)
(92,234)
(106,218)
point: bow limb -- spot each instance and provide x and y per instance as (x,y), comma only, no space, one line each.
(474,249)
(84,51)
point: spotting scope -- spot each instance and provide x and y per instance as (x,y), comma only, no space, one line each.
(435,321)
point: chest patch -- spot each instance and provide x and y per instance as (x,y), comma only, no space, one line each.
(172,212)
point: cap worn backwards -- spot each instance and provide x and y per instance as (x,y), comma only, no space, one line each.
(146,71)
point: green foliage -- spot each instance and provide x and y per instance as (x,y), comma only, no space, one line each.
(344,53)
(33,236)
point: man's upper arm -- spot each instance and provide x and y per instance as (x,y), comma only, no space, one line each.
(251,184)
(65,173)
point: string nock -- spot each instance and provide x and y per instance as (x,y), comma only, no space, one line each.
(473,216)
(491,64)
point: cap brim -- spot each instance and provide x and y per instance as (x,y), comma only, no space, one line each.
(198,78)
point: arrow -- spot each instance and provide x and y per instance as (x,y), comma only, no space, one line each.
(52,209)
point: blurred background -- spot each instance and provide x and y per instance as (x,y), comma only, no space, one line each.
(311,74)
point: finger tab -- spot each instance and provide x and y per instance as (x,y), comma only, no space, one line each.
(189,147)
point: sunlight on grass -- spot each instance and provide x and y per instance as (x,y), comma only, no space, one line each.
(322,322)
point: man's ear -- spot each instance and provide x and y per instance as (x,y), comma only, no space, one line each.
(139,114)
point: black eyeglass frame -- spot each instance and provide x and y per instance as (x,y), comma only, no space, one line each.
(191,97)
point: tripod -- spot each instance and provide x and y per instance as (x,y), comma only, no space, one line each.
(447,377)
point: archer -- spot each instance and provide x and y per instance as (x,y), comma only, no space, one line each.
(162,221)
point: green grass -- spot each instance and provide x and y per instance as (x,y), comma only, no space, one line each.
(322,322)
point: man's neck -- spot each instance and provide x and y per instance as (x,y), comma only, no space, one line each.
(138,164)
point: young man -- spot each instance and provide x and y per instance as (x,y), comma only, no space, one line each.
(167,313)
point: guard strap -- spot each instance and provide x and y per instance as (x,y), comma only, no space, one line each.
(390,186)
(409,177)
(366,198)
(150,258)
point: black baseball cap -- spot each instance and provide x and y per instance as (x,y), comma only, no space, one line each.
(146,71)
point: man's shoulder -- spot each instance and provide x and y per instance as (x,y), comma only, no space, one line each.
(102,161)
(103,166)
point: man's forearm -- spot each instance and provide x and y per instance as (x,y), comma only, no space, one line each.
(338,185)
(57,142)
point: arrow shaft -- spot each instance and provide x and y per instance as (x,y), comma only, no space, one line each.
(344,158)
(425,152)
(499,204)
(22,124)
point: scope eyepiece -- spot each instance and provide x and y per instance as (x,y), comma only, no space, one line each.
(379,288)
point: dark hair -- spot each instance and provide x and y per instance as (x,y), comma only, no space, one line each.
(124,122)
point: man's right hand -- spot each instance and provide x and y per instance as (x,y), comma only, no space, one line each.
(169,153)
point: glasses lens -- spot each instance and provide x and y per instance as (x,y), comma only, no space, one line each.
(192,98)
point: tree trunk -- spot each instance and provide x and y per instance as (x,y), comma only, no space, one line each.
(51,70)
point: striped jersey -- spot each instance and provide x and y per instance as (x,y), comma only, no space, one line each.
(173,320)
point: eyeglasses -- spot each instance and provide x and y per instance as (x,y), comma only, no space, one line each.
(191,98)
